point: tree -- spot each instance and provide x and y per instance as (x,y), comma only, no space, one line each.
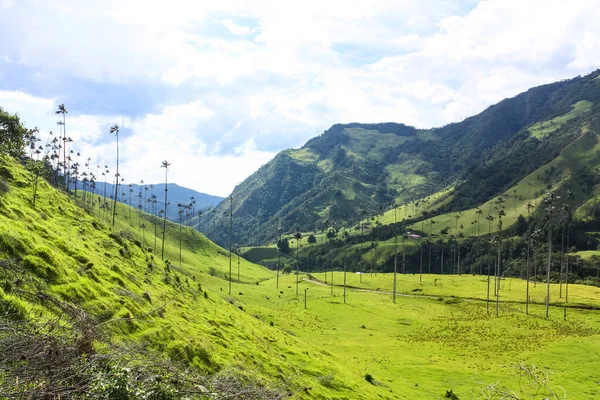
(115,129)
(231,238)
(297,237)
(180,211)
(550,199)
(395,252)
(283,244)
(312,239)
(62,110)
(12,134)
(165,165)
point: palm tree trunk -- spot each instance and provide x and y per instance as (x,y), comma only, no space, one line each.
(345,270)
(395,268)
(562,253)
(498,288)
(567,271)
(116,184)
(165,217)
(297,265)
(527,273)
(549,265)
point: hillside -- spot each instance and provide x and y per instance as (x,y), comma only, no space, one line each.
(58,257)
(353,170)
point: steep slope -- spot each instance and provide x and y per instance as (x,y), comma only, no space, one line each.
(60,253)
(356,167)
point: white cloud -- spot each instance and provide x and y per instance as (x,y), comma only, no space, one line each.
(290,70)
(236,29)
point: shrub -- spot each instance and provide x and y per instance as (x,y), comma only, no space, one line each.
(450,395)
(369,378)
(4,188)
(146,295)
(327,380)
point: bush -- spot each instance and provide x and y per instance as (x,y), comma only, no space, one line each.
(327,380)
(369,378)
(3,186)
(450,395)
(212,271)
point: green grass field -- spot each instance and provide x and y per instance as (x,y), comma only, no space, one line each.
(436,337)
(544,128)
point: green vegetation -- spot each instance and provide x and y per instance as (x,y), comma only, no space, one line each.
(458,167)
(496,254)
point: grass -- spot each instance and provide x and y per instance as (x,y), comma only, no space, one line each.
(421,346)
(544,128)
(418,348)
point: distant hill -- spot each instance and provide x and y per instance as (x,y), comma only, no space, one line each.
(177,194)
(353,170)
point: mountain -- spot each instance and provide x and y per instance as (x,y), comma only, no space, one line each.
(353,170)
(177,195)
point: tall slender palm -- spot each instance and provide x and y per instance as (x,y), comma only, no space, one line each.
(231,239)
(62,110)
(490,218)
(180,207)
(424,213)
(395,252)
(154,201)
(431,223)
(165,165)
(550,199)
(298,237)
(527,275)
(345,235)
(115,129)
(570,197)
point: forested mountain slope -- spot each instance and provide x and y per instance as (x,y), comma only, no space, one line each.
(353,170)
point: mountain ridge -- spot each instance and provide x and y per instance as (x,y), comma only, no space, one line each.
(355,167)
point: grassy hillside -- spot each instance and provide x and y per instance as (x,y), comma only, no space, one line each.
(72,256)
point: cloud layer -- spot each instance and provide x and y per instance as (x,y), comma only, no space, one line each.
(218,89)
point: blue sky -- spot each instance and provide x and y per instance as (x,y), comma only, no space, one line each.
(217,89)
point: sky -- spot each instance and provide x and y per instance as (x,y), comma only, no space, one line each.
(217,88)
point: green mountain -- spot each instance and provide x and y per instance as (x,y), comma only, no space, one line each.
(353,170)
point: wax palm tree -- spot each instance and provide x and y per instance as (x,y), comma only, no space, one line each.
(431,223)
(297,237)
(550,199)
(180,208)
(395,252)
(345,235)
(165,165)
(527,275)
(231,239)
(63,111)
(570,197)
(490,218)
(115,130)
